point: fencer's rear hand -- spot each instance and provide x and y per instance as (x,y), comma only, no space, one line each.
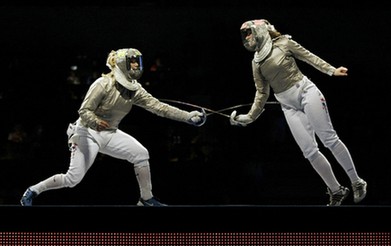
(240,120)
(102,125)
(341,71)
(197,118)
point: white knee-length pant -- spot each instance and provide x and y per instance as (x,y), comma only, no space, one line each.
(306,112)
(87,143)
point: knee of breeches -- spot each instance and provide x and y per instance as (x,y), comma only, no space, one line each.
(310,154)
(71,179)
(329,140)
(140,164)
(313,156)
(331,143)
(335,145)
(140,156)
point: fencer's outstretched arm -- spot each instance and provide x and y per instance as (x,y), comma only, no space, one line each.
(145,100)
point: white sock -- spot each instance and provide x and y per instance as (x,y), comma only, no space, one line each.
(143,176)
(54,182)
(323,168)
(342,155)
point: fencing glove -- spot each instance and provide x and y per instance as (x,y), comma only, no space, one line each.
(240,120)
(197,118)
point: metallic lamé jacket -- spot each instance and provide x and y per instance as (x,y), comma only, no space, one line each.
(280,71)
(108,100)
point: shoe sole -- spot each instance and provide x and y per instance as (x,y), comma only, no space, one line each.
(359,199)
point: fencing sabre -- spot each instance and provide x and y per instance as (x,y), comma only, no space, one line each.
(211,111)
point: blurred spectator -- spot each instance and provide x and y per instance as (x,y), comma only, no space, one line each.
(36,141)
(158,80)
(74,84)
(16,147)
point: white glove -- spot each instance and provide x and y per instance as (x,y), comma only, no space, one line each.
(240,120)
(197,118)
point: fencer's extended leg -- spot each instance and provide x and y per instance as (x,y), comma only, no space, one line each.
(80,161)
(342,155)
(359,186)
(336,192)
(83,155)
(323,168)
(54,182)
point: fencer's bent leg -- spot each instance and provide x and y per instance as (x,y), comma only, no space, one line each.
(342,155)
(126,147)
(323,168)
(305,138)
(143,176)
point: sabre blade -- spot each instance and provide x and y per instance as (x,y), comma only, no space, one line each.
(195,106)
(211,111)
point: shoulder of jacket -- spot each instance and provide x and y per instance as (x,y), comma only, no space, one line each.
(282,38)
(105,82)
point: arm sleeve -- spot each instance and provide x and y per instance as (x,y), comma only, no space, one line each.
(303,54)
(145,100)
(261,94)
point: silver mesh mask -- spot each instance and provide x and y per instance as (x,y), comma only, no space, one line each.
(121,68)
(123,59)
(260,41)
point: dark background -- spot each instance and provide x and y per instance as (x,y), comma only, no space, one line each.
(205,64)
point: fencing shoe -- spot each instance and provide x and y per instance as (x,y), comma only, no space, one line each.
(27,198)
(359,190)
(338,196)
(152,202)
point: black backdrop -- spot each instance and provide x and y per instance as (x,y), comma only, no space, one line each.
(259,164)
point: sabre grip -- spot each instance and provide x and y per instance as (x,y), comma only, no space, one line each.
(197,118)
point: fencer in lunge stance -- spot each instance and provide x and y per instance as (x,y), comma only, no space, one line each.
(109,99)
(302,103)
